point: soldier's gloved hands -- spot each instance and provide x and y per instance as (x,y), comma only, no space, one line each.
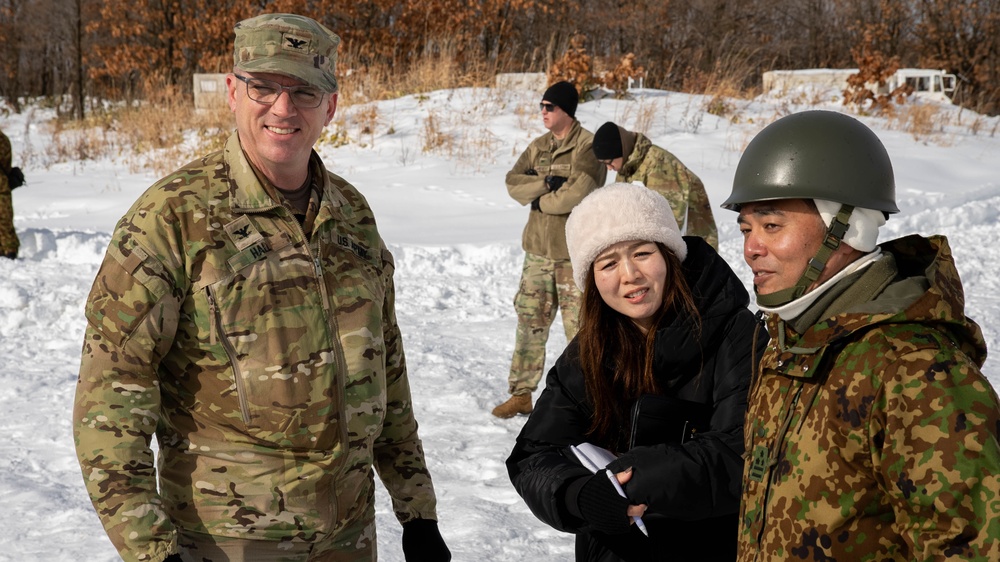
(534,204)
(554,182)
(422,542)
(601,506)
(531,172)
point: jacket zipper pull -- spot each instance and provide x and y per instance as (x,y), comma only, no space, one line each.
(322,286)
(211,318)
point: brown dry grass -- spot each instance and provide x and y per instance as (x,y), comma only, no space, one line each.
(158,134)
(164,131)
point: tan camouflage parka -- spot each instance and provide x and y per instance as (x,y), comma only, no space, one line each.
(545,233)
(662,172)
(269,367)
(873,435)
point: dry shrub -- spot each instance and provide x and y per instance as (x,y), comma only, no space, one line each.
(527,116)
(461,136)
(617,79)
(433,137)
(920,120)
(874,67)
(147,135)
(639,116)
(723,83)
(366,118)
(75,140)
(575,67)
(645,114)
(363,81)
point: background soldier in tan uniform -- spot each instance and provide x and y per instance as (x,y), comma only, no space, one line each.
(555,172)
(244,315)
(9,244)
(637,159)
(871,432)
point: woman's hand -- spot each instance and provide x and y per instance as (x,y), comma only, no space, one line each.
(633,510)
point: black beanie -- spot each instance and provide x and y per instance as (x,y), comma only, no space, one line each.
(608,142)
(563,95)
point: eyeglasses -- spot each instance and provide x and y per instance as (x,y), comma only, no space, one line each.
(547,107)
(605,162)
(268,92)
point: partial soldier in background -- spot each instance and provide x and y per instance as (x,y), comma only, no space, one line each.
(871,433)
(552,175)
(244,317)
(9,244)
(637,159)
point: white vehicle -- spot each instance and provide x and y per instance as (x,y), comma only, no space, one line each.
(927,83)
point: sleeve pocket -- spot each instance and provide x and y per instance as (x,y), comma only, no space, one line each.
(128,285)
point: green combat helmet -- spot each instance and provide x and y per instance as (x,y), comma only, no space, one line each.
(815,155)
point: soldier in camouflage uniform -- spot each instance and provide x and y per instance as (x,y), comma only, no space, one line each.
(637,159)
(9,244)
(244,316)
(552,175)
(871,432)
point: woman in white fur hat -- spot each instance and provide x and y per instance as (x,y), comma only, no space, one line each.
(665,335)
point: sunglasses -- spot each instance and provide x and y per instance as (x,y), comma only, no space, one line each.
(547,107)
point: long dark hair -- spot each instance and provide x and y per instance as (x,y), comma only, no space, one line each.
(617,358)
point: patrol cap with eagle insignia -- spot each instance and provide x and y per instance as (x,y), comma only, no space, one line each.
(290,45)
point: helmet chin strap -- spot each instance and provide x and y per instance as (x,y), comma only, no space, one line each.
(834,236)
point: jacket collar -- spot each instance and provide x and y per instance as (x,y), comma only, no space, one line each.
(247,194)
(642,145)
(926,289)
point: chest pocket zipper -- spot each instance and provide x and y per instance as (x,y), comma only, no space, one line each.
(215,326)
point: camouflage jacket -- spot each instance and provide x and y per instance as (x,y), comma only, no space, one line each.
(9,243)
(662,172)
(268,365)
(572,158)
(873,435)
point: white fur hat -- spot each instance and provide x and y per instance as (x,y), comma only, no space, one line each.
(618,213)
(862,227)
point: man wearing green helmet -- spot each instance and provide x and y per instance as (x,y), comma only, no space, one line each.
(871,432)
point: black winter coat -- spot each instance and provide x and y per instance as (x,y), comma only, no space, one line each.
(692,490)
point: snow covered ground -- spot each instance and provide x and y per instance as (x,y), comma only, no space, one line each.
(456,235)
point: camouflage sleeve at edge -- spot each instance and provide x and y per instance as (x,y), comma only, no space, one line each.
(700,220)
(399,454)
(935,440)
(131,313)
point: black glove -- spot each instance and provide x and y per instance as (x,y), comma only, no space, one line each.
(422,542)
(623,462)
(531,172)
(534,204)
(554,182)
(15,178)
(173,558)
(602,507)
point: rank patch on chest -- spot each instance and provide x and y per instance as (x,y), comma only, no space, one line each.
(758,465)
(243,233)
